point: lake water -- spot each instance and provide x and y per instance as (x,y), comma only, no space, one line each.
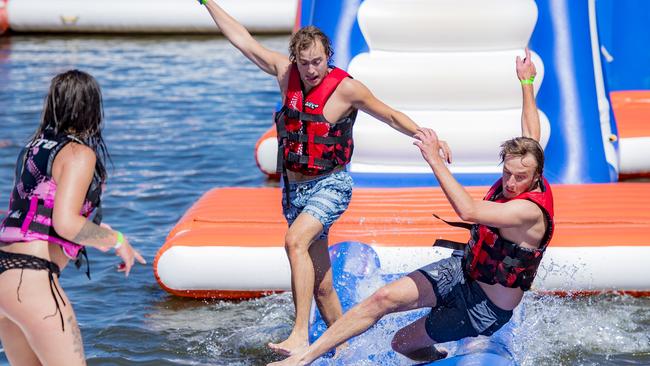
(182,116)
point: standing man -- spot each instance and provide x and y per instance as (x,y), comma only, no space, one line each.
(315,145)
(472,293)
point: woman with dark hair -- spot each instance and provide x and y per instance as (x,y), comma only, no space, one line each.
(54,213)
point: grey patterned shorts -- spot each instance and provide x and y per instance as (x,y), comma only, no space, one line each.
(324,198)
(462,309)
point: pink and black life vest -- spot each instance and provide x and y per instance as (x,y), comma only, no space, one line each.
(32,200)
(490,258)
(307,142)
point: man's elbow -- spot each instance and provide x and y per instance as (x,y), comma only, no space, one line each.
(468,215)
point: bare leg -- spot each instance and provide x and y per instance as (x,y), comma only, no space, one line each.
(326,298)
(16,347)
(414,342)
(35,316)
(411,292)
(297,241)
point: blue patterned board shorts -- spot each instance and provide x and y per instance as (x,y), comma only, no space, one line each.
(462,308)
(325,198)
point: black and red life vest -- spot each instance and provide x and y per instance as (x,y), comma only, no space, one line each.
(307,142)
(492,259)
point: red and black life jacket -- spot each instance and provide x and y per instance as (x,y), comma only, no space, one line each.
(307,142)
(492,259)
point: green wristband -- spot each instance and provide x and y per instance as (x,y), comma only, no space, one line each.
(203,2)
(120,240)
(528,81)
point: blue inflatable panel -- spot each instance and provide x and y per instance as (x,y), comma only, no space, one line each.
(575,152)
(624,35)
(387,180)
(356,271)
(337,19)
(477,359)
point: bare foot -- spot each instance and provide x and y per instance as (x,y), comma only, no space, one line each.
(291,361)
(289,347)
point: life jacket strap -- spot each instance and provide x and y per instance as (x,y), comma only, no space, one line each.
(306,159)
(303,116)
(449,244)
(458,224)
(329,140)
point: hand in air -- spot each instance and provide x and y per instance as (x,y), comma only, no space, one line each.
(129,256)
(431,147)
(526,67)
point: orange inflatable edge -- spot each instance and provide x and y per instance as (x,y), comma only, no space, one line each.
(630,192)
(632,112)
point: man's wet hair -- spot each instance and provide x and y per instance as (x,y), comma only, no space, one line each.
(305,38)
(520,146)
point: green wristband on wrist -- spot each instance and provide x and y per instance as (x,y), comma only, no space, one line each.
(203,2)
(528,81)
(120,240)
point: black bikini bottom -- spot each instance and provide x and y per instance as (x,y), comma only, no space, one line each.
(24,261)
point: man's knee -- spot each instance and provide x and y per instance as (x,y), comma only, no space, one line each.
(324,289)
(383,300)
(294,243)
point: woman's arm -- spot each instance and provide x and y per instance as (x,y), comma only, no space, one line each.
(73,170)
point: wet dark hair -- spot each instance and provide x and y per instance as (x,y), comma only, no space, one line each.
(520,146)
(73,106)
(305,38)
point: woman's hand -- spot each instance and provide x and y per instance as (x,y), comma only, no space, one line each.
(125,251)
(129,256)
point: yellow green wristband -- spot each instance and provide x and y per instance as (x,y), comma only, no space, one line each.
(203,2)
(528,81)
(120,240)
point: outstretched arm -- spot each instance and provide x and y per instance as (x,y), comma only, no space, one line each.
(360,97)
(529,116)
(269,61)
(500,215)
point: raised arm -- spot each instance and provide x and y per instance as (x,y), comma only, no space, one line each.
(500,215)
(529,116)
(269,61)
